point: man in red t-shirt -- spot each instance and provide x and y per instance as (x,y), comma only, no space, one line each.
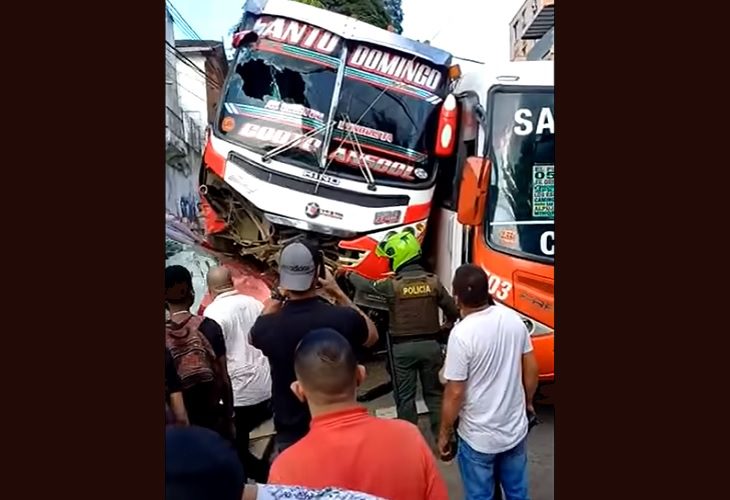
(346,447)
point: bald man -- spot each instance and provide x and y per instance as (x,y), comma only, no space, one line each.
(346,447)
(247,366)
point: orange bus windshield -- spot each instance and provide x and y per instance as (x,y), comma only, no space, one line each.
(520,216)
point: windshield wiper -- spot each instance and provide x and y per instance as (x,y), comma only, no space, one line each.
(361,162)
(292,143)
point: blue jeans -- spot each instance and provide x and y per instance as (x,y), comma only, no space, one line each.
(480,472)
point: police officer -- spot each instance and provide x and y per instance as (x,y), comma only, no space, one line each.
(414,297)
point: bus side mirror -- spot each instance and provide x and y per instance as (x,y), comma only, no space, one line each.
(244,38)
(473,191)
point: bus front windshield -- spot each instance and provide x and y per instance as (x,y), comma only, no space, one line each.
(392,122)
(521,148)
(276,94)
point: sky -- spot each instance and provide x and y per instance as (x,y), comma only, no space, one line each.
(476,29)
(422,20)
(211,19)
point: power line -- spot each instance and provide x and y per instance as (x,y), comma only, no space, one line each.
(185,60)
(180,85)
(184,25)
(188,62)
(181,24)
(200,78)
(182,28)
(182,57)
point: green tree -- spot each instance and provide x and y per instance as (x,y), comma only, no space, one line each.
(369,11)
(395,11)
(314,3)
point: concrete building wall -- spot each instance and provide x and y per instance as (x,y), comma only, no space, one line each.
(532,31)
(193,93)
(182,159)
(171,98)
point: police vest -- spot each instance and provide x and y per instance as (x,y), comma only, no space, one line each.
(415,310)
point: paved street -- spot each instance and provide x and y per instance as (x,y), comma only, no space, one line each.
(540,455)
(540,442)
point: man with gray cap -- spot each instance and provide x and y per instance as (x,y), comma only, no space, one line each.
(302,278)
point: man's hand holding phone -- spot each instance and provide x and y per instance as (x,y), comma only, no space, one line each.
(329,287)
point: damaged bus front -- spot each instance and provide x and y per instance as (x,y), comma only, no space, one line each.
(326,125)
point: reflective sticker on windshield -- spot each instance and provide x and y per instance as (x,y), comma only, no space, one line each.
(364,131)
(508,237)
(543,191)
(293,109)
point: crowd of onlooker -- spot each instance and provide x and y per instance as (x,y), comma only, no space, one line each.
(295,359)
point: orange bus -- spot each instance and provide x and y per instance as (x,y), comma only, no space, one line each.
(503,213)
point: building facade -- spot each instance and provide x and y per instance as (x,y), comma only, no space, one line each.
(201,72)
(532,31)
(194,74)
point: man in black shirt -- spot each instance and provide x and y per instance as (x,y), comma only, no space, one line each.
(199,407)
(302,276)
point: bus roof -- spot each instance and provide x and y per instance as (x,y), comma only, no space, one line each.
(527,73)
(348,28)
(516,73)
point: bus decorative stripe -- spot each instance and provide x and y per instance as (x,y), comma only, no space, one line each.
(416,213)
(299,53)
(256,112)
(278,120)
(397,89)
(391,84)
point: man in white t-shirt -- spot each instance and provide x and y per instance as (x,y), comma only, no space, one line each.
(248,368)
(491,375)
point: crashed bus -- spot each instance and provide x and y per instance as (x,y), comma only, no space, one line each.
(327,126)
(334,128)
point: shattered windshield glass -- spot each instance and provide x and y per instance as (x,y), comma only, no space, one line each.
(281,89)
(278,92)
